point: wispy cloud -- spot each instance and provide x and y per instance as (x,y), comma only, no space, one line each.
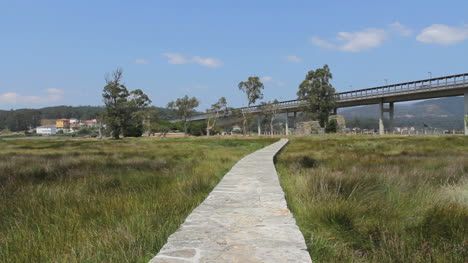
(293,59)
(141,61)
(271,81)
(443,34)
(13,99)
(208,62)
(354,41)
(401,29)
(177,58)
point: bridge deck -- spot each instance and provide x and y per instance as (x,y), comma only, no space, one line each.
(453,85)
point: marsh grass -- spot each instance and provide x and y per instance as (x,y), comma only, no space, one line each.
(104,201)
(390,199)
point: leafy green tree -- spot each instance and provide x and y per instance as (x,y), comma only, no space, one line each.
(269,111)
(319,93)
(253,89)
(124,110)
(161,126)
(197,128)
(216,110)
(184,109)
(152,117)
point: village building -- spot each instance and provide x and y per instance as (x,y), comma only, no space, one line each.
(63,124)
(90,123)
(46,130)
(74,124)
(74,121)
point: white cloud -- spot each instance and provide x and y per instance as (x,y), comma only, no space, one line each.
(401,29)
(272,81)
(208,62)
(354,41)
(293,59)
(13,99)
(323,43)
(443,34)
(141,61)
(176,58)
(8,98)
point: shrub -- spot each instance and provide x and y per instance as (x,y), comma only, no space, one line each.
(332,126)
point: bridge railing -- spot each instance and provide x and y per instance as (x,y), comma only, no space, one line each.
(446,82)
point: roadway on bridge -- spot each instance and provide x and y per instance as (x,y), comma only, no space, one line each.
(244,219)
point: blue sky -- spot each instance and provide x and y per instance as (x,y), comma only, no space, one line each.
(57,52)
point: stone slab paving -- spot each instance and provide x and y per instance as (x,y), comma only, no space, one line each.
(244,219)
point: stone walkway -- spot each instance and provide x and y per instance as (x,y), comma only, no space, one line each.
(244,219)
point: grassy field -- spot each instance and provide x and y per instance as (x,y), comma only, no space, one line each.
(104,201)
(379,199)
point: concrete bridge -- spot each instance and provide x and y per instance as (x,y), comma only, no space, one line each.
(385,96)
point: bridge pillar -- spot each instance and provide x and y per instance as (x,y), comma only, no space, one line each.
(391,111)
(286,124)
(381,124)
(259,129)
(466,113)
(294,120)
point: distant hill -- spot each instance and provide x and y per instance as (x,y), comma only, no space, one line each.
(443,113)
(22,119)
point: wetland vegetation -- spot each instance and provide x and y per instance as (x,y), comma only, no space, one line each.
(379,199)
(87,200)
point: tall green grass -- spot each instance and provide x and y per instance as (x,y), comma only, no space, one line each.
(390,199)
(104,201)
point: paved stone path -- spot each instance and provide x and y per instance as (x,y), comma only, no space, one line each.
(244,219)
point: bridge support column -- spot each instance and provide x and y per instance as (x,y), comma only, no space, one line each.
(259,129)
(294,120)
(381,124)
(466,113)
(391,112)
(286,124)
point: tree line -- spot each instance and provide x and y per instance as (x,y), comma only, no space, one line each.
(127,112)
(25,119)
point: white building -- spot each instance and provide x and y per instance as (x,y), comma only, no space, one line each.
(46,130)
(90,123)
(74,121)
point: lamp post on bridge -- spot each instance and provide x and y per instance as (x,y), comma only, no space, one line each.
(430,74)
